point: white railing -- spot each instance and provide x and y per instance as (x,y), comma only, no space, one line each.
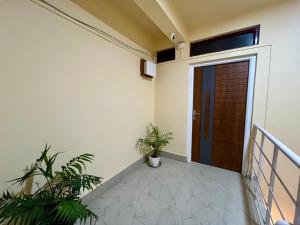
(255,176)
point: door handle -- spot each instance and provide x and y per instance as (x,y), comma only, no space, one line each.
(195,114)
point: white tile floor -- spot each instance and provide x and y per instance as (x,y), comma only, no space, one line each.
(177,193)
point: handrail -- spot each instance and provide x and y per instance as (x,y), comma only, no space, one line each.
(255,181)
(283,148)
(277,175)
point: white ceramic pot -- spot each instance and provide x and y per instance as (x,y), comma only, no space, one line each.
(154,161)
(281,222)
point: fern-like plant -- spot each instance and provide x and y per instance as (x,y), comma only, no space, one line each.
(153,142)
(57,202)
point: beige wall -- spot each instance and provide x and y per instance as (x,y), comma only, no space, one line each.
(62,85)
(279,49)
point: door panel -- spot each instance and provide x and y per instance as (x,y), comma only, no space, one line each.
(220,96)
(207,114)
(196,114)
(229,115)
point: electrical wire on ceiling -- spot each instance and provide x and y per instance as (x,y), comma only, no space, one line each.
(100,33)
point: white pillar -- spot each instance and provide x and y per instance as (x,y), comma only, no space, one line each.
(271,187)
(297,211)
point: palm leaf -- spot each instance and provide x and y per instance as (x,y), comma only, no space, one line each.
(26,209)
(154,140)
(69,211)
(57,201)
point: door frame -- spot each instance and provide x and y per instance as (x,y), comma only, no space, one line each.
(249,104)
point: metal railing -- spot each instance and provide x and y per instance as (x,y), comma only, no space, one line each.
(261,202)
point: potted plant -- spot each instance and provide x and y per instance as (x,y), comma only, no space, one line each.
(55,202)
(153,143)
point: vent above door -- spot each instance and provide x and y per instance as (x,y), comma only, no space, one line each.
(232,40)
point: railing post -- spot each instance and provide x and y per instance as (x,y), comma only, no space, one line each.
(297,211)
(251,152)
(262,141)
(259,162)
(271,185)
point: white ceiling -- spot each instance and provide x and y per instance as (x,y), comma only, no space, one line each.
(196,14)
(128,19)
(131,20)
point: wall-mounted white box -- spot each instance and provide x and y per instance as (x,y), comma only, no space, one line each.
(148,68)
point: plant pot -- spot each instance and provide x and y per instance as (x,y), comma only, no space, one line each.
(154,161)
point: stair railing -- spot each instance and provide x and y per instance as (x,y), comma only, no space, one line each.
(256,176)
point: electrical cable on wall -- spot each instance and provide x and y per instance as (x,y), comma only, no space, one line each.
(100,33)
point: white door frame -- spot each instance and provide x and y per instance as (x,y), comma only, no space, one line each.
(249,104)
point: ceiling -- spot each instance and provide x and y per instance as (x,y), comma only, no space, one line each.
(149,22)
(196,14)
(128,19)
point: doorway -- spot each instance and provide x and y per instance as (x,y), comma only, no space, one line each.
(219,117)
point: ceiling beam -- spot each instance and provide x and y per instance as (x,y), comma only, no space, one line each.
(161,13)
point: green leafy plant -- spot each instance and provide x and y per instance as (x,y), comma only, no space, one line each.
(57,202)
(153,142)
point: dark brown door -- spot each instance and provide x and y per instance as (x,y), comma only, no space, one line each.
(227,117)
(196,114)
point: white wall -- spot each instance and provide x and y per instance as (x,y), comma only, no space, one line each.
(62,85)
(278,53)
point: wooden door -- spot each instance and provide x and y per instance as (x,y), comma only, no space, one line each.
(204,91)
(196,114)
(229,115)
(219,118)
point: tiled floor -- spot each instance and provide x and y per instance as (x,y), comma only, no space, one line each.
(177,193)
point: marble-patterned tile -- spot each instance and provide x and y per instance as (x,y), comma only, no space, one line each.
(177,193)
